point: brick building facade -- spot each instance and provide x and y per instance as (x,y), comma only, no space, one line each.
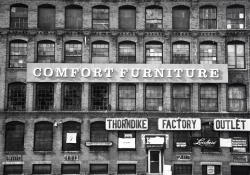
(68,124)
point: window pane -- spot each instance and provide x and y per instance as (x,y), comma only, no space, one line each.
(127,18)
(153,53)
(181,54)
(153,18)
(70,169)
(181,97)
(98,168)
(207,131)
(208,18)
(46,18)
(180,18)
(73,17)
(13,169)
(154,97)
(46,52)
(100,18)
(235,17)
(18,54)
(44,96)
(236,56)
(72,96)
(237,98)
(182,169)
(182,141)
(127,97)
(99,97)
(41,169)
(98,132)
(73,53)
(19,17)
(208,54)
(240,141)
(126,169)
(100,53)
(71,136)
(208,98)
(127,53)
(14,136)
(43,136)
(17,97)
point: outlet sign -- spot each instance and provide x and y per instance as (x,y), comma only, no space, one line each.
(232,124)
(145,73)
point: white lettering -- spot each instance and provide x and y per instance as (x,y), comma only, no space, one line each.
(159,73)
(135,73)
(61,72)
(214,73)
(178,72)
(169,73)
(37,74)
(109,71)
(202,73)
(85,72)
(147,73)
(190,75)
(123,72)
(97,72)
(74,71)
(48,72)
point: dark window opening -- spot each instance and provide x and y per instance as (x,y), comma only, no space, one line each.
(236,17)
(126,169)
(44,96)
(127,97)
(70,169)
(236,55)
(182,169)
(181,53)
(73,17)
(180,18)
(13,169)
(72,96)
(43,140)
(18,54)
(98,169)
(208,17)
(16,97)
(41,169)
(19,16)
(98,133)
(46,17)
(154,97)
(73,52)
(237,98)
(154,17)
(207,131)
(209,98)
(71,136)
(46,52)
(127,17)
(100,15)
(99,97)
(127,52)
(208,53)
(181,97)
(182,141)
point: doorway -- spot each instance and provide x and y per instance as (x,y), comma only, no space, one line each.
(154,161)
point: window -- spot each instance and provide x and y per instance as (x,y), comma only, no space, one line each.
(14,136)
(209,98)
(41,169)
(153,17)
(182,141)
(73,17)
(43,140)
(98,133)
(208,133)
(46,17)
(73,52)
(127,97)
(236,55)
(126,140)
(127,52)
(44,96)
(126,169)
(100,97)
(208,17)
(182,169)
(236,17)
(181,97)
(71,136)
(208,53)
(100,15)
(18,54)
(154,97)
(237,98)
(240,142)
(180,18)
(46,52)
(16,96)
(211,169)
(154,52)
(127,17)
(100,52)
(98,168)
(72,96)
(13,169)
(19,16)
(181,53)
(70,169)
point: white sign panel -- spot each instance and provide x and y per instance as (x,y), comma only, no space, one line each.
(126,124)
(226,142)
(71,137)
(210,169)
(179,124)
(232,124)
(155,73)
(126,143)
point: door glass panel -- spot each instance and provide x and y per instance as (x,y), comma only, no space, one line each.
(154,162)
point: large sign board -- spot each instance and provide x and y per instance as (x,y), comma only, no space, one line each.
(120,124)
(232,124)
(179,124)
(145,73)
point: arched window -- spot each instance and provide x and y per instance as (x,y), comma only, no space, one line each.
(73,52)
(44,96)
(46,51)
(127,97)
(181,97)
(71,136)
(127,52)
(208,52)
(100,52)
(43,137)
(154,52)
(181,53)
(73,17)
(46,17)
(127,17)
(236,55)
(72,96)
(209,97)
(18,54)
(237,98)
(236,17)
(208,17)
(100,17)
(180,17)
(16,96)
(19,16)
(154,17)
(14,136)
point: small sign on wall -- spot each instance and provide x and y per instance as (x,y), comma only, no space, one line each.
(210,169)
(71,138)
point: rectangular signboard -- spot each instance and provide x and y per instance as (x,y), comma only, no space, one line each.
(145,73)
(126,124)
(232,124)
(179,124)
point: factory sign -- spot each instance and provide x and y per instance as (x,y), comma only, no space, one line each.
(232,124)
(126,124)
(179,124)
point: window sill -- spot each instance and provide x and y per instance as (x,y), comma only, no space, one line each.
(212,152)
(238,153)
(98,144)
(14,152)
(43,152)
(71,152)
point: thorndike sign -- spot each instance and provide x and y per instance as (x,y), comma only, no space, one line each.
(155,73)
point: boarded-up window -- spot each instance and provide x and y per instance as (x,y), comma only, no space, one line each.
(46,17)
(180,18)
(100,52)
(127,52)
(73,52)
(100,15)
(44,96)
(236,17)
(73,17)
(208,17)
(16,96)
(181,97)
(41,169)
(154,52)
(72,96)
(71,140)
(46,52)
(127,97)
(127,17)
(181,53)
(237,98)
(126,169)
(43,136)
(208,53)
(153,17)
(18,54)
(14,136)
(236,55)
(19,16)
(208,97)
(154,97)
(70,169)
